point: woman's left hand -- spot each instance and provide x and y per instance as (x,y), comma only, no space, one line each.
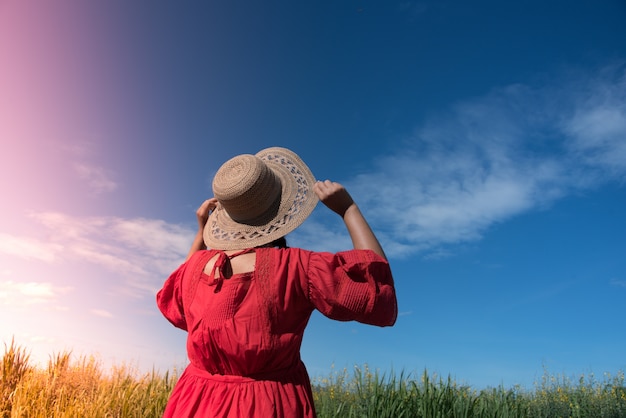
(202,214)
(204,210)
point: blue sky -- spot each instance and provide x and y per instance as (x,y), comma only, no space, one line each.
(485,142)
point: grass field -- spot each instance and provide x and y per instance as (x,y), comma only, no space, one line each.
(70,387)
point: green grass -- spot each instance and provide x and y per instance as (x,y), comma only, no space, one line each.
(364,393)
(70,387)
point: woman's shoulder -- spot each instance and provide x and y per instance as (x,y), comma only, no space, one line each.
(306,258)
(351,257)
(296,252)
(285,253)
(287,256)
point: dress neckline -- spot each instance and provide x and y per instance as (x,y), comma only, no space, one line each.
(223,267)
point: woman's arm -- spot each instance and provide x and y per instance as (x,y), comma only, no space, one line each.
(203,215)
(337,199)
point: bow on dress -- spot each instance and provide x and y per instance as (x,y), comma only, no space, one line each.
(223,267)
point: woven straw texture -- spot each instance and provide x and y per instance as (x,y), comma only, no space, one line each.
(261,198)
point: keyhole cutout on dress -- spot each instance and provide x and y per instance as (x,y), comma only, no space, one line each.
(239,264)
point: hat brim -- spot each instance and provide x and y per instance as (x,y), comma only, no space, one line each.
(297,201)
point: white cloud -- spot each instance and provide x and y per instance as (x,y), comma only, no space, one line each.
(14,293)
(29,248)
(488,159)
(316,236)
(597,126)
(142,252)
(137,253)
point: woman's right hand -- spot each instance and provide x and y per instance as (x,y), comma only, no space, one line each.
(334,196)
(337,199)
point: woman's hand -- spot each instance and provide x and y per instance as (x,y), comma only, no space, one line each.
(202,214)
(337,199)
(334,196)
(204,211)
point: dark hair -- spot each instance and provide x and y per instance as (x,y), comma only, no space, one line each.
(278,242)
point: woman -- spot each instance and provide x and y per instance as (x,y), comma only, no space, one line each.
(245,303)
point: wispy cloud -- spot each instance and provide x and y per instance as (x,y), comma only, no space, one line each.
(318,236)
(596,127)
(484,161)
(101,313)
(82,152)
(14,293)
(488,159)
(618,283)
(140,252)
(98,179)
(28,247)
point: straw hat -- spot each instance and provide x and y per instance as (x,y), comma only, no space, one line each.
(261,198)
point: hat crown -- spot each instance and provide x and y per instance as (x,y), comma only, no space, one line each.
(247,189)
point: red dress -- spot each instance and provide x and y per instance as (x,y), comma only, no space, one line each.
(245,332)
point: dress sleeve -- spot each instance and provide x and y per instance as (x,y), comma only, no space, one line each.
(353,285)
(170,298)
